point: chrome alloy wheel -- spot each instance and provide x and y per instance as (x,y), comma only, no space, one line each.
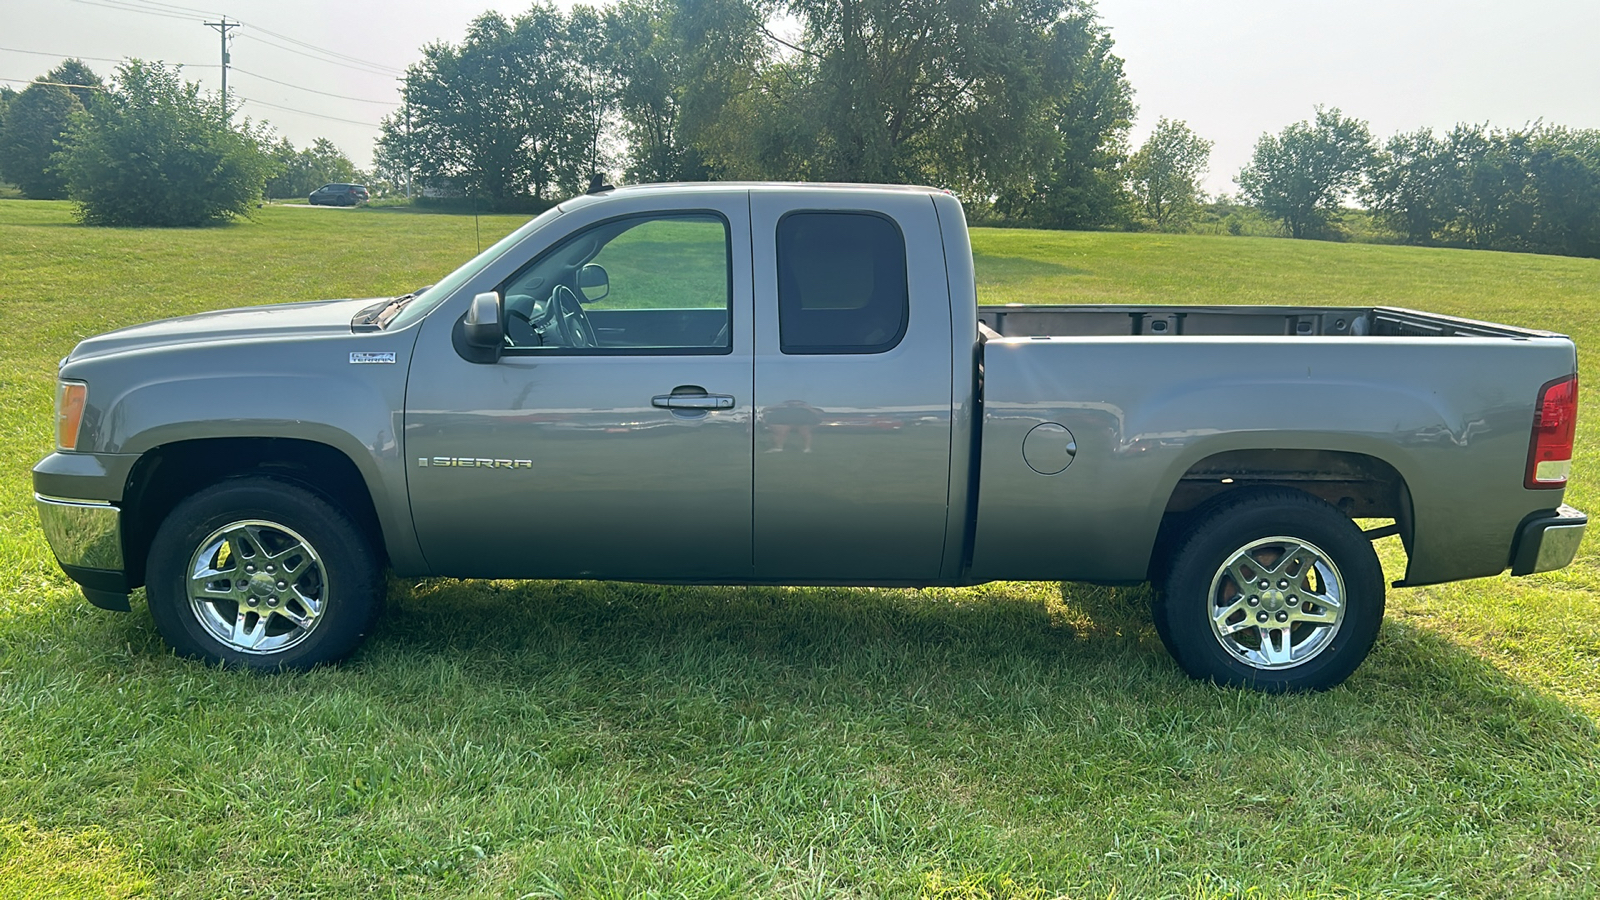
(257,586)
(1276,602)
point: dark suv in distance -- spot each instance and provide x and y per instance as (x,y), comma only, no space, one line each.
(340,195)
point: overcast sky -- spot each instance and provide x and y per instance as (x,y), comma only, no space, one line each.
(1232,69)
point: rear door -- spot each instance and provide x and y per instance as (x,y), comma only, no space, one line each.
(853,387)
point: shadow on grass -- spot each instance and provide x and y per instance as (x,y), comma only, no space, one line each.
(1079,638)
(785,625)
(1007,270)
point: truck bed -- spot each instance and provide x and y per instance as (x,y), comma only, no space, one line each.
(1025,320)
(1436,408)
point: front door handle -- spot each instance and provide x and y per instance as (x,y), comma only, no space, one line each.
(682,399)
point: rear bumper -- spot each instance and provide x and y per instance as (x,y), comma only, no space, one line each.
(1548,541)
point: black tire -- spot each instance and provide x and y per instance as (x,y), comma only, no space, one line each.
(313,589)
(1323,599)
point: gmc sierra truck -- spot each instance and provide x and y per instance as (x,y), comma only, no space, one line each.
(795,384)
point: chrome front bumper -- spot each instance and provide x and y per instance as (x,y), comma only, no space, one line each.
(84,534)
(1548,541)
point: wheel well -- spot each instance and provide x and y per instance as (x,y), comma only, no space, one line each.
(165,475)
(1358,485)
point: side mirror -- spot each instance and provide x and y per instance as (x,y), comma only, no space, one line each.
(593,282)
(482,329)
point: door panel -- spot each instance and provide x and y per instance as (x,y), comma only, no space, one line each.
(852,448)
(557,461)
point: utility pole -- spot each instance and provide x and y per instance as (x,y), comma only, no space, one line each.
(223,28)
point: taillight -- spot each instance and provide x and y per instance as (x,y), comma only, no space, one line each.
(70,397)
(1555,424)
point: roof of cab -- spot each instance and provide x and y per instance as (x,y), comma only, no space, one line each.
(719,187)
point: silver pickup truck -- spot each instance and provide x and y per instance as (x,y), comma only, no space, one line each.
(794,384)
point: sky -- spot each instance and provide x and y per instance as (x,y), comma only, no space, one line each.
(1232,69)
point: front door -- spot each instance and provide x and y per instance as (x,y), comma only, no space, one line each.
(613,438)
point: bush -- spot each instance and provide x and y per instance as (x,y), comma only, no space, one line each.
(151,151)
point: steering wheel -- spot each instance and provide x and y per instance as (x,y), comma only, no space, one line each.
(574,321)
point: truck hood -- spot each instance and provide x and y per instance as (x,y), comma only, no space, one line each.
(284,320)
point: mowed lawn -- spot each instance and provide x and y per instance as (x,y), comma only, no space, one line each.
(570,739)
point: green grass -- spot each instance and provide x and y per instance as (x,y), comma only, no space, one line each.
(499,739)
(667,264)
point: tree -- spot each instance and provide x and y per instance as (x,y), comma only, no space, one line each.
(1165,174)
(1080,183)
(1415,186)
(971,94)
(593,69)
(33,124)
(680,68)
(1564,176)
(153,151)
(502,116)
(1303,175)
(297,174)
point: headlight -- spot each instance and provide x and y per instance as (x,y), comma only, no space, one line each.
(70,397)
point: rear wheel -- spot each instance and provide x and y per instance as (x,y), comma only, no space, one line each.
(264,574)
(1275,590)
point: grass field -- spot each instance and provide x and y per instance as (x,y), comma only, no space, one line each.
(571,739)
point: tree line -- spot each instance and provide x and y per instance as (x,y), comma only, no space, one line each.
(1019,106)
(1534,189)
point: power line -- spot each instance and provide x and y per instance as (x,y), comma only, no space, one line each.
(203,66)
(282,37)
(314,90)
(86,87)
(303,112)
(333,53)
(112,4)
(65,56)
(163,10)
(170,6)
(331,62)
(242,99)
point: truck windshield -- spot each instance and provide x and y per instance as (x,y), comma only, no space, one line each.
(429,299)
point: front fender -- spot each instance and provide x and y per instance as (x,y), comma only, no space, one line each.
(305,390)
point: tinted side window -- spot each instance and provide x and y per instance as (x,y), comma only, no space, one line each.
(841,283)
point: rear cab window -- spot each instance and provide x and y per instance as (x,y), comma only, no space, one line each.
(842,284)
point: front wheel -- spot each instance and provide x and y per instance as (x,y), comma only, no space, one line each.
(263,574)
(1276,590)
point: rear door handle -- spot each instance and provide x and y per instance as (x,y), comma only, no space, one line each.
(692,401)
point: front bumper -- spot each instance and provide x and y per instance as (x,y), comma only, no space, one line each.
(86,537)
(1548,541)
